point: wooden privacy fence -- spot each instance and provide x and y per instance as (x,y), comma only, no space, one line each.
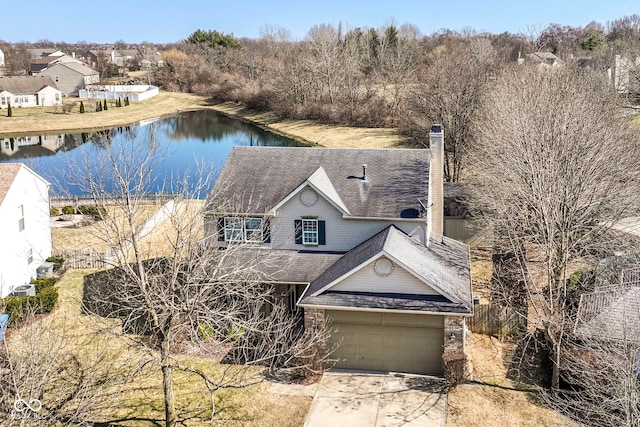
(493,319)
(146,199)
(87,258)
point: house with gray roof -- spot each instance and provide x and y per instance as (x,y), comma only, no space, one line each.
(353,237)
(71,77)
(25,226)
(28,91)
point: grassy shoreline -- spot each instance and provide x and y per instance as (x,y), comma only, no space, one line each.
(51,120)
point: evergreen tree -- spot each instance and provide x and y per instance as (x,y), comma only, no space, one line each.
(104,106)
(98,106)
(126,101)
(9,111)
(81,107)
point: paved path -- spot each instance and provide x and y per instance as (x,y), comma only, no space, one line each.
(356,399)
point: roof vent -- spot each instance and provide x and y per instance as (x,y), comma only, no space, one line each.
(364,172)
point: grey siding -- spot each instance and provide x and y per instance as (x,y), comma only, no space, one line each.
(341,234)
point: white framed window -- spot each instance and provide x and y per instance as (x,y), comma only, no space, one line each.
(253,230)
(29,256)
(20,217)
(233,230)
(309,231)
(57,97)
(238,229)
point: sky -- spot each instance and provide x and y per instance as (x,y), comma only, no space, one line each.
(167,21)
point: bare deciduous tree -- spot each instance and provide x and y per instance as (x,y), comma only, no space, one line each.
(554,167)
(51,374)
(186,292)
(449,93)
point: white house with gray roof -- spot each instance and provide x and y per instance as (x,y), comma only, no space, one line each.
(28,91)
(356,238)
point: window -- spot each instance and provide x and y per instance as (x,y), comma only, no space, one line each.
(310,231)
(20,217)
(293,298)
(4,100)
(238,229)
(29,256)
(57,97)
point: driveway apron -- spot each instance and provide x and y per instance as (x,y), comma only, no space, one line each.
(355,399)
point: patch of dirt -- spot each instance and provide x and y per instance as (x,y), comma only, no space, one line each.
(75,221)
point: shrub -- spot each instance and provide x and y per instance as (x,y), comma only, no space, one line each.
(57,261)
(98,212)
(454,366)
(235,332)
(9,111)
(68,210)
(205,331)
(54,211)
(98,106)
(81,107)
(43,282)
(104,105)
(18,308)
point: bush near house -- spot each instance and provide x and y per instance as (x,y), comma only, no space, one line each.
(455,368)
(58,262)
(54,211)
(44,301)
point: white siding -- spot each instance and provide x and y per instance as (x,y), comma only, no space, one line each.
(30,191)
(341,234)
(399,281)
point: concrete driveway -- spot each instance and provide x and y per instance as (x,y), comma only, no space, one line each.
(377,399)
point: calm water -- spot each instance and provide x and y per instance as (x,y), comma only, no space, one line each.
(184,141)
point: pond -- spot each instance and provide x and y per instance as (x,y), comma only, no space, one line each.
(185,142)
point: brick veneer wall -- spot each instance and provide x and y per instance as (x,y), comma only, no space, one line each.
(454,325)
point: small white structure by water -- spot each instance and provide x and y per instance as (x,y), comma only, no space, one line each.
(133,92)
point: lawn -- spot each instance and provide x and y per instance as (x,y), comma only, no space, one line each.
(140,403)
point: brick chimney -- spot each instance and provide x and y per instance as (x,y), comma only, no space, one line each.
(436,178)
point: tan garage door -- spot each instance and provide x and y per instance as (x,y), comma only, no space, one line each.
(387,342)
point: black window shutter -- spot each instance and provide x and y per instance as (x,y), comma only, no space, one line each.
(221,229)
(322,239)
(298,225)
(266,230)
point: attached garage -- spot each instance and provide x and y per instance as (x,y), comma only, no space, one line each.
(383,341)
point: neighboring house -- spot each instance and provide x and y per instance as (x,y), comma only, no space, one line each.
(29,91)
(626,74)
(38,65)
(24,225)
(612,311)
(71,78)
(542,60)
(355,238)
(119,57)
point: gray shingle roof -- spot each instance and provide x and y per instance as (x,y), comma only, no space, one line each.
(444,264)
(8,172)
(25,85)
(610,314)
(78,68)
(258,178)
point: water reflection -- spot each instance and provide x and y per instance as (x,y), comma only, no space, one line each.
(187,139)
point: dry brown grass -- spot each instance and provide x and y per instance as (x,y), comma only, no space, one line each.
(44,119)
(94,236)
(142,399)
(495,400)
(324,135)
